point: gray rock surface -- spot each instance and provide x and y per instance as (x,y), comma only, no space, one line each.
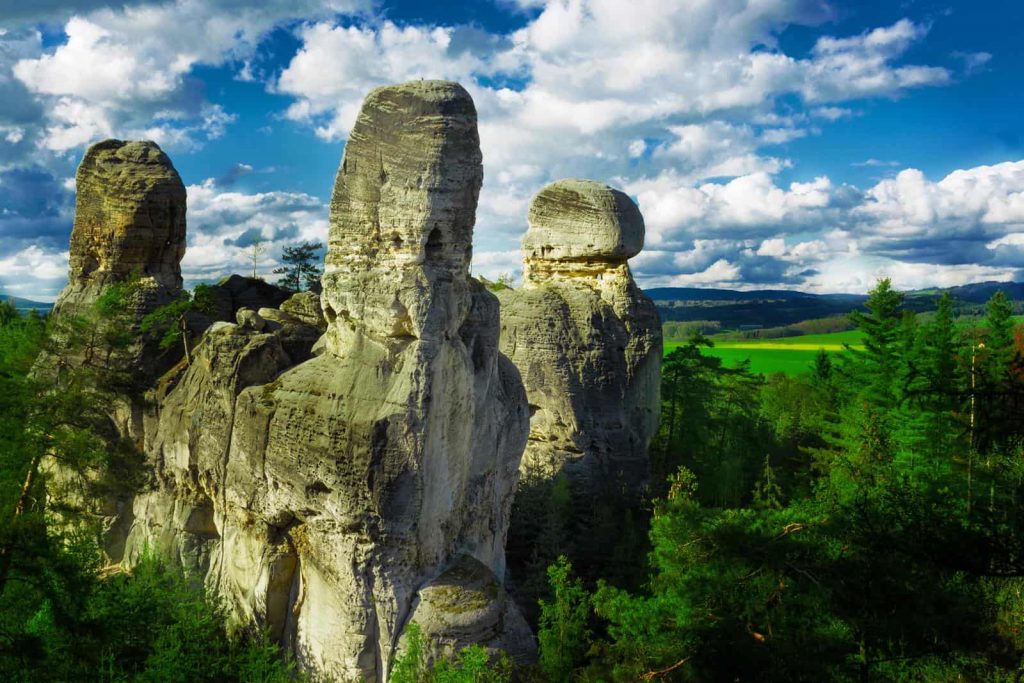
(305,306)
(250,319)
(320,498)
(129,225)
(467,605)
(129,222)
(402,217)
(585,338)
(581,221)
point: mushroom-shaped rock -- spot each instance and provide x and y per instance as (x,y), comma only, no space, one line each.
(586,339)
(582,220)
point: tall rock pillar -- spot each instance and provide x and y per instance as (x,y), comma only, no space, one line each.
(334,501)
(129,224)
(129,220)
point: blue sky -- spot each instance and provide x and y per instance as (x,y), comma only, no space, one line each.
(809,144)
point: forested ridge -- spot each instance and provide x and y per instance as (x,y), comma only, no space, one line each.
(859,522)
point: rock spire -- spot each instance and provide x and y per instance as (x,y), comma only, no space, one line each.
(129,220)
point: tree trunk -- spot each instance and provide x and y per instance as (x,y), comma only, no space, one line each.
(672,409)
(19,509)
(184,340)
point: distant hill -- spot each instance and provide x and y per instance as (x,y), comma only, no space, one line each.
(26,304)
(977,293)
(699,294)
(733,309)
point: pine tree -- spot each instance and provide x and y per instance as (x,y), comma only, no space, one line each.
(300,268)
(999,346)
(767,492)
(563,635)
(821,371)
(932,417)
(687,388)
(877,377)
(883,328)
(997,387)
(64,417)
(170,322)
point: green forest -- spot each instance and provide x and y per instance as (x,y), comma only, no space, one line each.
(855,522)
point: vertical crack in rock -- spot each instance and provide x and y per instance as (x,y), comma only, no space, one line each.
(586,339)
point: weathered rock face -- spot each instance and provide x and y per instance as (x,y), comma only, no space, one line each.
(305,306)
(129,219)
(322,499)
(129,223)
(402,217)
(582,223)
(586,339)
(467,604)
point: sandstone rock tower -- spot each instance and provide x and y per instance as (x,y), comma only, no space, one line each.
(129,219)
(129,224)
(586,339)
(333,499)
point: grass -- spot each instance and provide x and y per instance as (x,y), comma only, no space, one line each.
(832,341)
(789,355)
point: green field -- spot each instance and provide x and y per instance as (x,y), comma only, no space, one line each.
(789,355)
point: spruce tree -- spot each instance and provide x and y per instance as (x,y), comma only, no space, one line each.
(933,415)
(999,338)
(821,371)
(878,377)
(883,332)
(998,389)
